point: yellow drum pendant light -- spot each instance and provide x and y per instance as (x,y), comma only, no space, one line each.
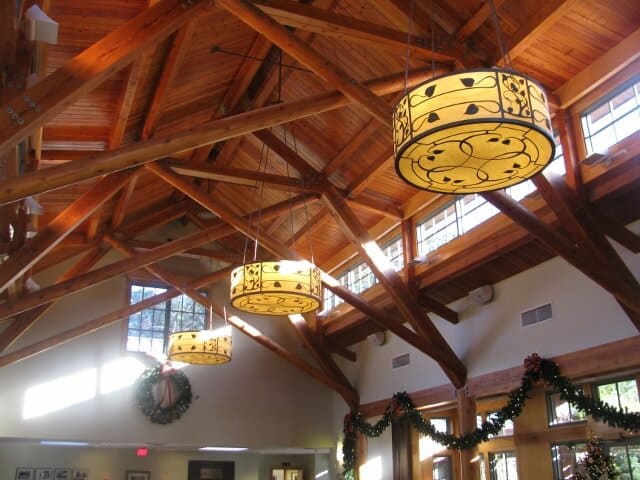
(282,287)
(472,131)
(204,347)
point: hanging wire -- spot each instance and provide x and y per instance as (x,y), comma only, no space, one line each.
(293,235)
(433,41)
(304,200)
(406,63)
(255,244)
(496,23)
(257,205)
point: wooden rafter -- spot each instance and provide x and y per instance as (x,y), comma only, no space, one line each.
(327,23)
(92,66)
(104,320)
(303,53)
(477,19)
(150,150)
(579,257)
(250,178)
(26,320)
(403,299)
(60,227)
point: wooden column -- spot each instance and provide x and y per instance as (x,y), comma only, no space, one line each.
(467,423)
(402,449)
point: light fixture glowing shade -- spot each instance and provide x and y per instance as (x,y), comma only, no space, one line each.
(472,131)
(223,449)
(204,347)
(283,287)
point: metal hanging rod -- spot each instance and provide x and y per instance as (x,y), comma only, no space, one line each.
(217,49)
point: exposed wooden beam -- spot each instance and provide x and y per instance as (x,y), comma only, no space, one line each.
(548,13)
(123,202)
(323,359)
(172,65)
(477,19)
(59,227)
(250,178)
(306,55)
(8,36)
(133,77)
(376,207)
(228,127)
(104,320)
(600,71)
(160,216)
(350,149)
(223,255)
(91,67)
(25,320)
(393,283)
(580,258)
(287,153)
(323,22)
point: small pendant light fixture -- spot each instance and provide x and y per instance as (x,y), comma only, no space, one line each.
(473,131)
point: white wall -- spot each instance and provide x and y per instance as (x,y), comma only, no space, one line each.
(111,464)
(257,400)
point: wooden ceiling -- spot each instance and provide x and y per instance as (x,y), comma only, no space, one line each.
(298,96)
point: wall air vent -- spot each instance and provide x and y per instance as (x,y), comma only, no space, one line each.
(536,315)
(400,361)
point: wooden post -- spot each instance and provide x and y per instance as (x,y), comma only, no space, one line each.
(401,446)
(467,422)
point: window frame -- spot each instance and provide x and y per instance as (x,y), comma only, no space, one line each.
(555,465)
(136,282)
(492,474)
(616,381)
(551,412)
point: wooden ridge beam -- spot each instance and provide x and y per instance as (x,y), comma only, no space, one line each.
(104,321)
(91,67)
(306,55)
(404,300)
(323,22)
(60,227)
(211,132)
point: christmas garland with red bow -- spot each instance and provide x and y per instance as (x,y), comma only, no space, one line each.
(176,397)
(536,368)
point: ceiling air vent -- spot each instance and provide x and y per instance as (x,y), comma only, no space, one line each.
(536,315)
(400,361)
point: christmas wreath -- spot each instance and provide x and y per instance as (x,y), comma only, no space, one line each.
(175,398)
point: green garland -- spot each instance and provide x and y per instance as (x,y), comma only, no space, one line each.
(536,368)
(177,384)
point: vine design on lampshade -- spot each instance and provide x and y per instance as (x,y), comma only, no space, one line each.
(276,288)
(473,131)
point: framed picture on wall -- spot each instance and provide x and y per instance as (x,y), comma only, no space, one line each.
(62,474)
(79,475)
(138,475)
(24,473)
(210,470)
(44,474)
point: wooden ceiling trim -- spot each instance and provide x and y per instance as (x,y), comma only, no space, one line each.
(60,227)
(393,283)
(477,19)
(323,22)
(545,16)
(91,67)
(306,55)
(150,150)
(600,71)
(580,258)
(104,320)
(25,320)
(328,365)
(169,72)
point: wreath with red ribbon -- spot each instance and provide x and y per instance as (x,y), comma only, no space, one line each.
(175,398)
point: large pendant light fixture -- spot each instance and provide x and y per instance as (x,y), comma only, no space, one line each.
(204,347)
(281,287)
(473,131)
